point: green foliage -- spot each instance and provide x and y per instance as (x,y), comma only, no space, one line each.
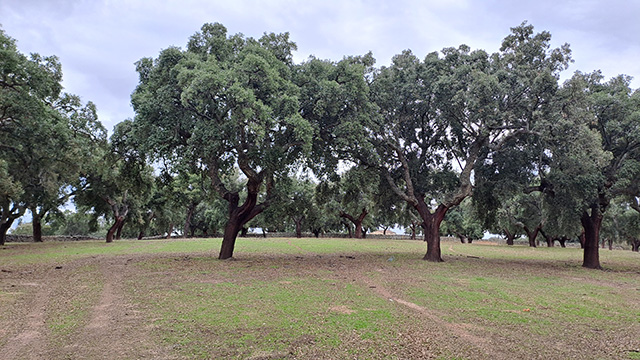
(45,135)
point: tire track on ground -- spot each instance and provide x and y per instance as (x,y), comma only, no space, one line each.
(31,340)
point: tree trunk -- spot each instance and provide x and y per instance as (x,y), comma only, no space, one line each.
(316,233)
(532,235)
(36,223)
(591,225)
(562,241)
(357,222)
(112,230)
(348,229)
(4,227)
(582,239)
(239,216)
(298,222)
(610,242)
(119,229)
(431,224)
(510,236)
(170,231)
(462,238)
(635,245)
(187,222)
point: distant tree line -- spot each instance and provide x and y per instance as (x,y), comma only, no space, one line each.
(229,133)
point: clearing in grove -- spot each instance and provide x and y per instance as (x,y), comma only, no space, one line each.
(314,299)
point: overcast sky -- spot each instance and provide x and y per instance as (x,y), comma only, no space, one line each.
(98,41)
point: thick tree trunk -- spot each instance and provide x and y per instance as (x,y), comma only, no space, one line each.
(635,245)
(112,230)
(510,236)
(316,233)
(4,227)
(532,235)
(431,224)
(119,229)
(298,222)
(548,238)
(36,223)
(239,216)
(231,231)
(582,239)
(357,222)
(591,224)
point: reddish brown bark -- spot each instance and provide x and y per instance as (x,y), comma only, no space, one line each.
(431,225)
(119,229)
(239,216)
(591,224)
(112,230)
(532,234)
(510,236)
(357,222)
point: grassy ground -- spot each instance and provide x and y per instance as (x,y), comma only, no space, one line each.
(315,298)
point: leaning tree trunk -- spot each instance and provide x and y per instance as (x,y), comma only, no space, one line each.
(532,235)
(591,224)
(431,224)
(119,230)
(510,236)
(112,230)
(357,222)
(239,216)
(562,241)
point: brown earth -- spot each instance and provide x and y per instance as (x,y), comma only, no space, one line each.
(111,325)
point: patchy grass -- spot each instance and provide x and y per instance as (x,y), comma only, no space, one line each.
(344,298)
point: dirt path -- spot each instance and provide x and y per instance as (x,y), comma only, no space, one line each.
(116,329)
(31,339)
(111,328)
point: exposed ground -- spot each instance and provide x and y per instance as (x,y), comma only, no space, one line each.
(314,299)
